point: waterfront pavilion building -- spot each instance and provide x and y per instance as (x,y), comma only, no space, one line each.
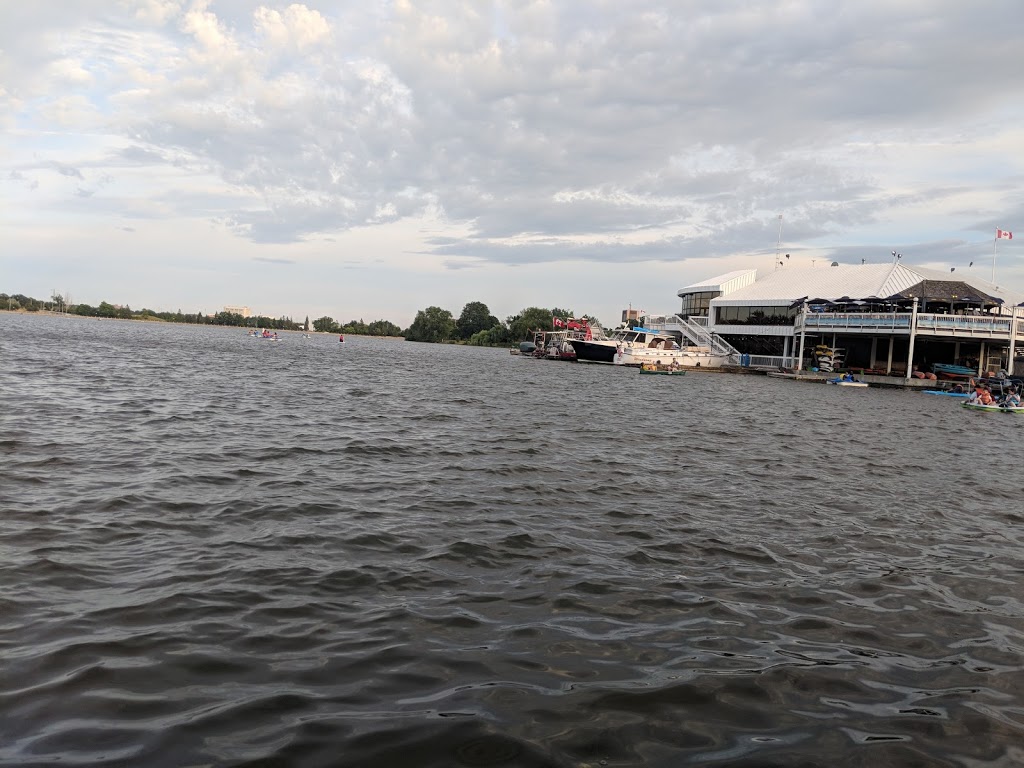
(885,318)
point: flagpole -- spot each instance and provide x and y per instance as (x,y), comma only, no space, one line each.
(995,242)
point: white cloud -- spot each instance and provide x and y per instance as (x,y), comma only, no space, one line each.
(523,133)
(296,28)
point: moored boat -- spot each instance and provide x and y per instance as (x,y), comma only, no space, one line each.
(636,346)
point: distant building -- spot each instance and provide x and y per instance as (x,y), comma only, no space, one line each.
(235,310)
(631,316)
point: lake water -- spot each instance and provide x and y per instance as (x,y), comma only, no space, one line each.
(216,550)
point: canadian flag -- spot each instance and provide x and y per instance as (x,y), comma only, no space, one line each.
(1002,234)
(557,322)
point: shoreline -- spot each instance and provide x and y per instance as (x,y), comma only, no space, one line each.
(150,319)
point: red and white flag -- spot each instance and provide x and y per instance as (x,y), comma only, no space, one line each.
(557,322)
(1002,234)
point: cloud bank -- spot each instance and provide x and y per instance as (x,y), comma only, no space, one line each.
(448,135)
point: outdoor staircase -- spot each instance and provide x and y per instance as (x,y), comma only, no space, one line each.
(696,333)
(702,337)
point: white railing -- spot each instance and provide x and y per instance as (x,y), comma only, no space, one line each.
(899,322)
(702,337)
(882,321)
(656,322)
(770,361)
(961,324)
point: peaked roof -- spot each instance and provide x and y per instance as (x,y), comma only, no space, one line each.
(784,286)
(947,291)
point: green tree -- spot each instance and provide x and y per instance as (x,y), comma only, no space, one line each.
(431,324)
(475,317)
(492,337)
(228,318)
(383,328)
(325,324)
(356,327)
(522,326)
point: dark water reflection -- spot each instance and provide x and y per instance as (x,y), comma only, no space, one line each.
(218,550)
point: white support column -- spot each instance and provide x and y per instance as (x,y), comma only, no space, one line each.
(913,329)
(981,360)
(787,344)
(1013,340)
(956,352)
(888,362)
(803,334)
(874,352)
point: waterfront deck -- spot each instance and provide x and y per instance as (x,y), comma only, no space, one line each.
(979,327)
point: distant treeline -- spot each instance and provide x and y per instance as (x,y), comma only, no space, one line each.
(58,303)
(478,327)
(357,327)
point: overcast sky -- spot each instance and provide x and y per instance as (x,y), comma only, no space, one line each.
(369,159)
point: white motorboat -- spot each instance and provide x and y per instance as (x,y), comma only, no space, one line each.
(636,346)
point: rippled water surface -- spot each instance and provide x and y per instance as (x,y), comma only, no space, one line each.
(216,550)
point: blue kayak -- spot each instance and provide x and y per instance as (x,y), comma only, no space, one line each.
(944,393)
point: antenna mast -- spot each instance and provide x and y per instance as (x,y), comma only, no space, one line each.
(778,243)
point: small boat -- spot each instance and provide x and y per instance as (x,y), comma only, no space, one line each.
(992,408)
(662,371)
(846,383)
(948,371)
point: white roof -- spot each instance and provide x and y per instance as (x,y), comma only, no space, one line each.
(784,286)
(720,282)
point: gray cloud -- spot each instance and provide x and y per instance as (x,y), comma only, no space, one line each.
(537,133)
(141,156)
(273,260)
(67,170)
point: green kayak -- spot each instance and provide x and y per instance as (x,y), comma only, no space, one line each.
(663,372)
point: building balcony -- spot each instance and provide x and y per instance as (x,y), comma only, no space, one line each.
(982,327)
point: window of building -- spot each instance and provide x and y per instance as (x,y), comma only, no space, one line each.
(755,315)
(698,304)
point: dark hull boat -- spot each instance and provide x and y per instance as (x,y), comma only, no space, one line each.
(594,351)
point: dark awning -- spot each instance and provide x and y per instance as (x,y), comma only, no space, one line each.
(947,291)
